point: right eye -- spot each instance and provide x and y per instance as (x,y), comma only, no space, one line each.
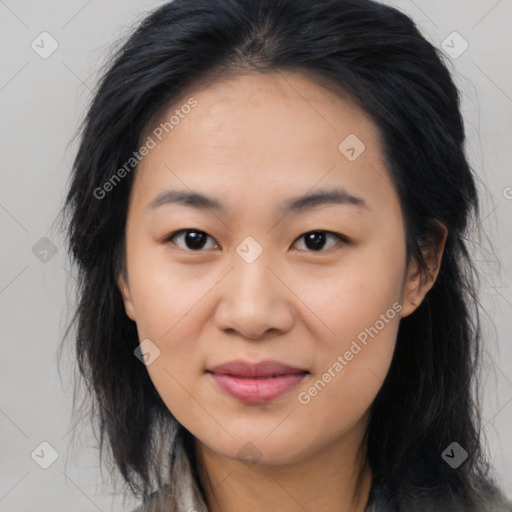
(193,238)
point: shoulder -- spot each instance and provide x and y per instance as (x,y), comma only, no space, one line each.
(154,502)
(488,498)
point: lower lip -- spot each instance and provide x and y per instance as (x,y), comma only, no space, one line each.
(260,390)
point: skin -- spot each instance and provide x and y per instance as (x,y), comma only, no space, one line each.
(254,141)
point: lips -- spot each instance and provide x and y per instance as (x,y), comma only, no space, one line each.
(240,368)
(256,383)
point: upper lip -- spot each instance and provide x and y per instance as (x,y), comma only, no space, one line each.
(241,368)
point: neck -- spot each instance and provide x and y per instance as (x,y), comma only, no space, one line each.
(335,479)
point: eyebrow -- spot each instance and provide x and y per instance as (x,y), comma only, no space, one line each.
(309,201)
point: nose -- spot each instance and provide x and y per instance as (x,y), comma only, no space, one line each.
(254,302)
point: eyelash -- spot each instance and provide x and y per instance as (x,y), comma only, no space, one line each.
(341,238)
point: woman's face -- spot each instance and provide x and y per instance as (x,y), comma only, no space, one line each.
(249,281)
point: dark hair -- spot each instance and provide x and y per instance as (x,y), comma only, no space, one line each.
(375,55)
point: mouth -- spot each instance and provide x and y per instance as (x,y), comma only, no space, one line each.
(267,368)
(256,383)
(255,378)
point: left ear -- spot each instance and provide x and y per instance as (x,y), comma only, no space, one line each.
(122,284)
(420,280)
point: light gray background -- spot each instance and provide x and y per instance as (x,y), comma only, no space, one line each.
(42,102)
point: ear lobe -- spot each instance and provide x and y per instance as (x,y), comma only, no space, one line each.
(127,298)
(420,280)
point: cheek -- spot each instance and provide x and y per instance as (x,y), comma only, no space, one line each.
(169,312)
(351,365)
(164,294)
(360,302)
(354,294)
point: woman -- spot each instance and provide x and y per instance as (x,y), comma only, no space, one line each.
(268,211)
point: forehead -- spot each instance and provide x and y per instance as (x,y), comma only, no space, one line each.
(279,132)
(274,102)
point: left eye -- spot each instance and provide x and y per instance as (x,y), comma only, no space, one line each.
(196,240)
(315,240)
